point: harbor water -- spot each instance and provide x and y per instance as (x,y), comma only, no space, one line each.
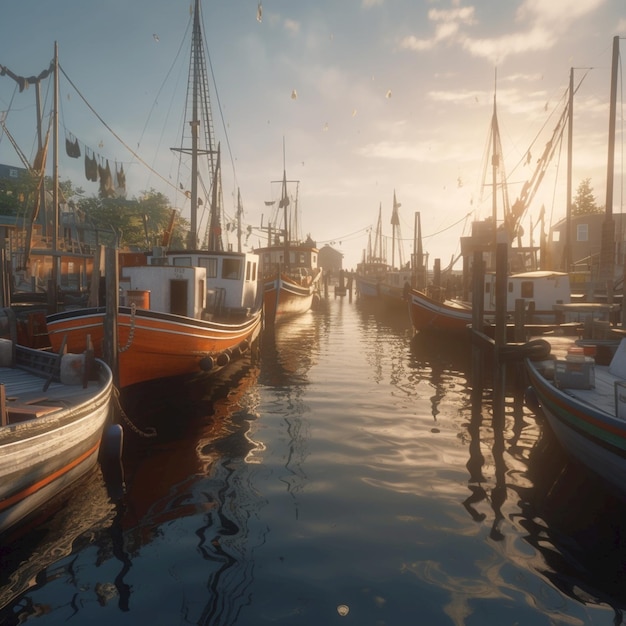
(346,474)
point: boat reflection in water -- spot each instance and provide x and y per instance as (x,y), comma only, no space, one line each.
(35,555)
(289,350)
(577,525)
(187,523)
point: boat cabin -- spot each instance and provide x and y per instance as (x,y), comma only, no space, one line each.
(191,283)
(541,289)
(303,260)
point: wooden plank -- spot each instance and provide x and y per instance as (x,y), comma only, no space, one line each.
(18,410)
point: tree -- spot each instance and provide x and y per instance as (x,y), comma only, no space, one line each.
(585,203)
(138,222)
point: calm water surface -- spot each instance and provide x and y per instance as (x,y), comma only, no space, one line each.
(347,476)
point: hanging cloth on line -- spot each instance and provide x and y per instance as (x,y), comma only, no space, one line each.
(91,167)
(71,146)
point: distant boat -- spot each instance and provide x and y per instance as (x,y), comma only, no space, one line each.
(540,290)
(289,267)
(585,405)
(377,280)
(54,409)
(182,312)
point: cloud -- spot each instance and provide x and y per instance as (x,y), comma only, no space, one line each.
(539,25)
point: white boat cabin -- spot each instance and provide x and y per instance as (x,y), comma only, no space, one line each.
(192,283)
(539,289)
(303,260)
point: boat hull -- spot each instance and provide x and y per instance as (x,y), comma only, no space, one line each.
(155,345)
(592,436)
(428,314)
(41,456)
(284,297)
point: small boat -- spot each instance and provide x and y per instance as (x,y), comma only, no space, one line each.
(182,312)
(289,268)
(585,405)
(540,290)
(54,409)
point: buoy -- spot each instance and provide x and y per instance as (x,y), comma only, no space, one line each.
(531,400)
(111,448)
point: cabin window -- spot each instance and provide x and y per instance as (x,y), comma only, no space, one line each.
(182,261)
(582,232)
(231,269)
(301,259)
(248,270)
(527,290)
(253,272)
(210,265)
(13,173)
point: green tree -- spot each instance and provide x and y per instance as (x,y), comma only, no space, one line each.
(584,202)
(135,223)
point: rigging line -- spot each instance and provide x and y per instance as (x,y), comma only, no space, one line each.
(154,103)
(443,230)
(346,237)
(219,106)
(115,134)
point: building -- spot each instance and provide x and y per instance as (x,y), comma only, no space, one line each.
(585,247)
(330,259)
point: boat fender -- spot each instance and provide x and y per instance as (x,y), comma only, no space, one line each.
(224,358)
(207,363)
(111,461)
(244,346)
(531,400)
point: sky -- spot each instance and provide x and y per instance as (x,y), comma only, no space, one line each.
(363,99)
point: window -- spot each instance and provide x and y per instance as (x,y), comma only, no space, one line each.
(527,290)
(231,269)
(248,270)
(182,261)
(210,265)
(582,232)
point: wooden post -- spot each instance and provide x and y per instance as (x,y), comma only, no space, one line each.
(477,318)
(111,341)
(3,406)
(520,331)
(500,335)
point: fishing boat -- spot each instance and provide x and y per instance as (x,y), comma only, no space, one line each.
(181,312)
(290,273)
(540,290)
(584,403)
(375,279)
(53,412)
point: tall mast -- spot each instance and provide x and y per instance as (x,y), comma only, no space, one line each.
(196,45)
(284,203)
(607,251)
(199,117)
(55,176)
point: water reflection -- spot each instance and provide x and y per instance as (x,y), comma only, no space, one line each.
(30,555)
(577,525)
(193,480)
(288,352)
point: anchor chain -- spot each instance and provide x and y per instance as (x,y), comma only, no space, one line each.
(131,334)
